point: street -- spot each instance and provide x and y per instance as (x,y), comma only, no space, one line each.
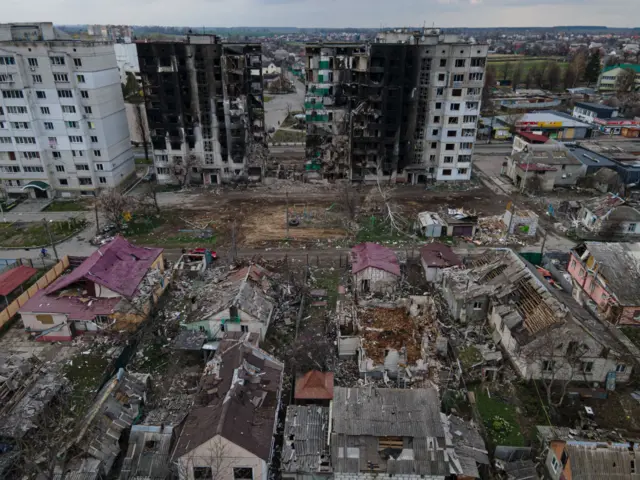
(275,111)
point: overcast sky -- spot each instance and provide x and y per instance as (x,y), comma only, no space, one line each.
(328,13)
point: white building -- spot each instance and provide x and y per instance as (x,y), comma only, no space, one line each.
(62,117)
(127,60)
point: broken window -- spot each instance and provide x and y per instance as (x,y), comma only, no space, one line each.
(443,62)
(547,365)
(202,473)
(243,473)
(587,367)
(441,77)
(45,319)
(460,62)
(446,172)
(621,368)
(477,305)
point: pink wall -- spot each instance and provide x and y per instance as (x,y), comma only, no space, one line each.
(585,279)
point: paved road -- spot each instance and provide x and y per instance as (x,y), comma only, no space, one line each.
(275,111)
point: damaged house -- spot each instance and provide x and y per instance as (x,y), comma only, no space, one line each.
(543,331)
(114,288)
(306,452)
(230,430)
(609,216)
(240,302)
(403,108)
(608,274)
(374,268)
(205,107)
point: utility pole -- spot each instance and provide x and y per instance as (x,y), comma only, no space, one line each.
(95,211)
(53,245)
(286,194)
(544,241)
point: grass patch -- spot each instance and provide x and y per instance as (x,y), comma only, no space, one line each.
(143,161)
(86,374)
(27,235)
(288,136)
(329,281)
(67,206)
(469,356)
(162,231)
(376,230)
(267,99)
(500,419)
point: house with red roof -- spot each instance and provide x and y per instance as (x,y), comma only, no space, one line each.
(374,268)
(113,288)
(314,387)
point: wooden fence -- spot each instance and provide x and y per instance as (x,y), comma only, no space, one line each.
(8,313)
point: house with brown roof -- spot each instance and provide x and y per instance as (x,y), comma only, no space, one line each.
(374,268)
(114,288)
(314,387)
(435,257)
(230,429)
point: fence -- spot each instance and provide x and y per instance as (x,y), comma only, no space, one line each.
(8,313)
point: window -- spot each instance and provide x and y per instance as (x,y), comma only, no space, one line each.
(621,368)
(91,125)
(448,159)
(10,169)
(48,125)
(587,367)
(34,169)
(68,109)
(454,107)
(53,140)
(65,94)
(85,181)
(26,140)
(243,473)
(464,158)
(476,77)
(98,153)
(452,133)
(466,146)
(72,124)
(462,171)
(102,179)
(63,181)
(13,109)
(436,119)
(20,125)
(439,91)
(443,62)
(7,61)
(41,94)
(33,62)
(555,464)
(473,91)
(441,77)
(77,62)
(56,154)
(202,473)
(82,166)
(162,170)
(45,111)
(432,158)
(434,144)
(446,172)
(631,227)
(94,139)
(6,77)
(36,78)
(46,319)
(547,365)
(57,60)
(453,121)
(80,78)
(5,139)
(592,286)
(12,94)
(244,328)
(469,119)
(61,77)
(84,93)
(59,168)
(77,153)
(87,110)
(450,146)
(460,62)
(75,139)
(435,131)
(30,155)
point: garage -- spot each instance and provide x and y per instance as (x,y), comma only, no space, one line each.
(463,231)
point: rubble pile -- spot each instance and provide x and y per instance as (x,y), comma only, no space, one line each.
(493,231)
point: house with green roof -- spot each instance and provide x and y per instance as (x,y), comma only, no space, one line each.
(609,76)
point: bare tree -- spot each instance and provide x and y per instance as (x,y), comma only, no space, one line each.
(554,75)
(626,81)
(579,65)
(569,79)
(506,69)
(517,75)
(489,85)
(181,170)
(114,205)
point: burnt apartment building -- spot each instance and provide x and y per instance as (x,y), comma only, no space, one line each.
(205,109)
(404,108)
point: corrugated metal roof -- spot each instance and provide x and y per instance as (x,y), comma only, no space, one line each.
(373,255)
(12,279)
(306,447)
(599,461)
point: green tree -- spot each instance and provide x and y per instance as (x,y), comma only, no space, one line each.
(592,72)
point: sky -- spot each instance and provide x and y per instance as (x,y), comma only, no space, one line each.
(328,13)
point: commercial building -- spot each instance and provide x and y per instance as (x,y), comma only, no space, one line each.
(551,124)
(403,109)
(63,128)
(588,112)
(205,108)
(609,76)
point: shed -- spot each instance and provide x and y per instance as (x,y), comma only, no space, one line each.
(435,257)
(430,224)
(14,278)
(375,268)
(460,223)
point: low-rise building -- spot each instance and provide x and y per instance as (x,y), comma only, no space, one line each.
(231,428)
(552,124)
(609,77)
(430,224)
(239,303)
(614,126)
(608,275)
(112,289)
(609,217)
(544,332)
(589,112)
(374,268)
(435,257)
(523,140)
(460,222)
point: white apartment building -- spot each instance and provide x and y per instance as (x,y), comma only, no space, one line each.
(63,127)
